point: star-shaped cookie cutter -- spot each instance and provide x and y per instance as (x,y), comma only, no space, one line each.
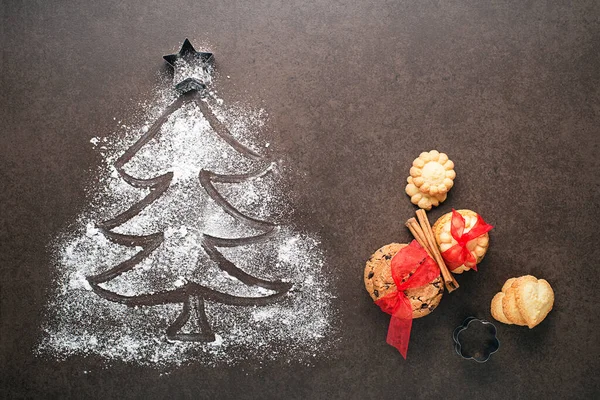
(188,58)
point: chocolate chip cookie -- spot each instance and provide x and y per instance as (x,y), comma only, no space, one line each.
(379,282)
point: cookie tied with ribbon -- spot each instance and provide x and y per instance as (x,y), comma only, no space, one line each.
(463,239)
(414,291)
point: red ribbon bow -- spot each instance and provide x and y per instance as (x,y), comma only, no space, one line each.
(459,254)
(411,258)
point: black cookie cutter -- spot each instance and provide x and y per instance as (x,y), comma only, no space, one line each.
(190,55)
(473,342)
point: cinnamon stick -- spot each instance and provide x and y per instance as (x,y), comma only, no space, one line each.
(449,281)
(420,237)
(414,228)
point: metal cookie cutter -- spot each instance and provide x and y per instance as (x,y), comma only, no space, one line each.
(476,339)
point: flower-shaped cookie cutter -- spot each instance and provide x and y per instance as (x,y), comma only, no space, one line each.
(476,339)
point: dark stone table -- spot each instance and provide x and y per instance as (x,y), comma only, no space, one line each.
(354,91)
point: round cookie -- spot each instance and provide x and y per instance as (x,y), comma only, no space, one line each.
(441,230)
(431,177)
(379,282)
(433,173)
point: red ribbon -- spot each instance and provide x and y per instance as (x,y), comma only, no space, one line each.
(410,259)
(459,254)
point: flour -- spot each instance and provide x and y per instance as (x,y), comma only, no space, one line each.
(80,322)
(197,70)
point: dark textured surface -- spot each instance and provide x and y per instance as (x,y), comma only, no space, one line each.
(355,91)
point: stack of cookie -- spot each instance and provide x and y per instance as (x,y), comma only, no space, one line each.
(379,282)
(474,243)
(523,301)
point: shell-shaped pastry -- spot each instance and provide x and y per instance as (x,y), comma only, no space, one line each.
(433,173)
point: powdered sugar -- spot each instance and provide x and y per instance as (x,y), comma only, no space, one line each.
(82,322)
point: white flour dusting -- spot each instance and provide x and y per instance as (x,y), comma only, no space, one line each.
(184,70)
(80,322)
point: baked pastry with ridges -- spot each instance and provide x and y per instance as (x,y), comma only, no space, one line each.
(443,236)
(431,177)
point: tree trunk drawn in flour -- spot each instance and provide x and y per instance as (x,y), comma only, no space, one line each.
(191,295)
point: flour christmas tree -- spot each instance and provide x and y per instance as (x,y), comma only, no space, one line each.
(192,74)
